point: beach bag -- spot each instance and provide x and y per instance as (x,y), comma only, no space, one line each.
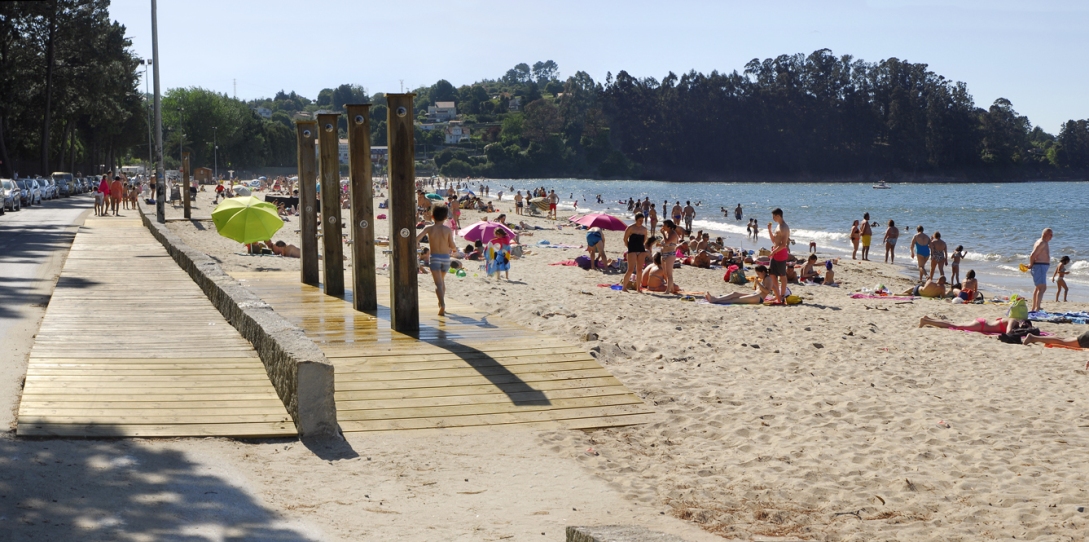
(736,276)
(1017,335)
(1018,308)
(583,262)
(792,300)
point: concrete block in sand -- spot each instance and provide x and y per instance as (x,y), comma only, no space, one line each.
(618,533)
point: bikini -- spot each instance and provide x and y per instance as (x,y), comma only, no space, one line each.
(637,243)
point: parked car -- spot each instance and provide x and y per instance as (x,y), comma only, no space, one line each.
(49,188)
(30,192)
(11,194)
(64,183)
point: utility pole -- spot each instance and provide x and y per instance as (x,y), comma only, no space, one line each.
(215,152)
(160,175)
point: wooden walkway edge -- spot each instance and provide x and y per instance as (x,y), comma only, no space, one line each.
(460,370)
(131,347)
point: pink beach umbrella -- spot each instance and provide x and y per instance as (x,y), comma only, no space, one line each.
(603,221)
(483,231)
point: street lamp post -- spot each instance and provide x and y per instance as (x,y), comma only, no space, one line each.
(160,175)
(181,136)
(215,152)
(150,158)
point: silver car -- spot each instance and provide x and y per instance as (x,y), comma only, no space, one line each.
(49,191)
(10,193)
(31,192)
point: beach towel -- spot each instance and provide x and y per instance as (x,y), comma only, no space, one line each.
(1060,317)
(874,296)
(568,263)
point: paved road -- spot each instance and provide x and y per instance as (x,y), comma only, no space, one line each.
(33,245)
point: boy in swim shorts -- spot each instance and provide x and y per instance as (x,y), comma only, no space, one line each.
(441,239)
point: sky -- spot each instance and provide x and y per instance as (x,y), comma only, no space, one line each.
(1033,53)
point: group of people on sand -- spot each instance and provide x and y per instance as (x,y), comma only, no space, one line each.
(656,275)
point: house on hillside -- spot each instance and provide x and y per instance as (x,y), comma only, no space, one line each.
(442,111)
(456,133)
(263,112)
(515,104)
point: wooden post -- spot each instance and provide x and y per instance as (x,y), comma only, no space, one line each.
(404,295)
(308,214)
(364,294)
(333,253)
(186,184)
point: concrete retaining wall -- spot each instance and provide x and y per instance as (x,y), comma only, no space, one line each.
(298,369)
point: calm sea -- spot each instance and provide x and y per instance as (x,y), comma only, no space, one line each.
(996,223)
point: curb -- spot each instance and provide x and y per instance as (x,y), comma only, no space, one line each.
(299,371)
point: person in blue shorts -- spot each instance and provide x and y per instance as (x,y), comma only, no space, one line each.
(1039,261)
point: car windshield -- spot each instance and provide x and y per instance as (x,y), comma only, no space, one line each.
(8,184)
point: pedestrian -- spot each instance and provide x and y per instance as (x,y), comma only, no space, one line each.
(441,241)
(856,236)
(499,254)
(891,236)
(1059,278)
(635,239)
(1039,261)
(920,249)
(867,235)
(116,190)
(689,215)
(780,253)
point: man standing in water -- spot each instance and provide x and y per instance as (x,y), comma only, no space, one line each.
(737,212)
(689,215)
(867,236)
(780,253)
(441,239)
(1039,261)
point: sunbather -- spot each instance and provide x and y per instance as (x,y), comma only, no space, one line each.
(762,287)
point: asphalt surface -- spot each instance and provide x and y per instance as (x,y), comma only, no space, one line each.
(33,245)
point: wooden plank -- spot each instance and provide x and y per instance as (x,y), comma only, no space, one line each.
(499,418)
(329,174)
(307,132)
(364,292)
(251,430)
(493,398)
(348,396)
(471,380)
(400,127)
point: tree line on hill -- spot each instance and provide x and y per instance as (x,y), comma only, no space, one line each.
(70,99)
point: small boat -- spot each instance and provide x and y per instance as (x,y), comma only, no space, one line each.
(881,185)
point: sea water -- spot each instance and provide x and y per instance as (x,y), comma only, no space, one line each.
(997,223)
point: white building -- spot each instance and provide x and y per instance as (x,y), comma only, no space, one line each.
(263,112)
(456,133)
(442,111)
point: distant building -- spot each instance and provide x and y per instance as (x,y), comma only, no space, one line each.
(515,104)
(456,133)
(263,112)
(378,154)
(442,111)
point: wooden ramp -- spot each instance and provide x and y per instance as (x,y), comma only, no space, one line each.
(462,369)
(131,347)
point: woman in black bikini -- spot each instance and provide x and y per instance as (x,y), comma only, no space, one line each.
(635,238)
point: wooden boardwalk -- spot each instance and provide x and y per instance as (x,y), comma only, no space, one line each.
(462,370)
(131,347)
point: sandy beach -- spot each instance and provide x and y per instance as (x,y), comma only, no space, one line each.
(836,419)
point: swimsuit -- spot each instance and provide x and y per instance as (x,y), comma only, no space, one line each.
(891,241)
(1039,273)
(637,243)
(593,238)
(922,250)
(866,240)
(440,262)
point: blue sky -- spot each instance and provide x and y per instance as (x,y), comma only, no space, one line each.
(1034,53)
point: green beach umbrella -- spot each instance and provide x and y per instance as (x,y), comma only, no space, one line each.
(433,197)
(246,219)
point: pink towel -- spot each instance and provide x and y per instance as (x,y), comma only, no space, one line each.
(872,296)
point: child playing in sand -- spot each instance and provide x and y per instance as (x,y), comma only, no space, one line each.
(1058,278)
(441,239)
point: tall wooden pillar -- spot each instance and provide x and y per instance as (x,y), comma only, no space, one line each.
(364,294)
(404,294)
(186,173)
(333,248)
(308,212)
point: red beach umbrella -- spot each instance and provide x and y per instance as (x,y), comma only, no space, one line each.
(603,221)
(483,231)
